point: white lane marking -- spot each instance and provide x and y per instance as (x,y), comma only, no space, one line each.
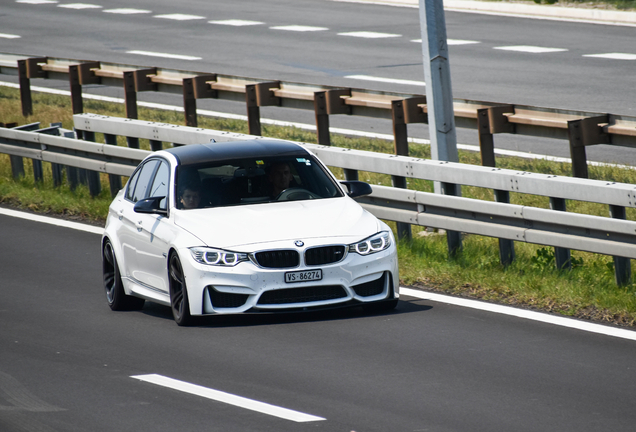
(228,398)
(369,35)
(530,49)
(236,22)
(9,36)
(52,221)
(127,11)
(164,55)
(37,1)
(180,17)
(613,56)
(386,80)
(522,313)
(453,41)
(79,6)
(299,28)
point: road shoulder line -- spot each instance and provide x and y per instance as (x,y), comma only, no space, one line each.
(522,313)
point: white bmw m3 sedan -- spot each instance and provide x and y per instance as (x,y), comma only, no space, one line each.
(258,226)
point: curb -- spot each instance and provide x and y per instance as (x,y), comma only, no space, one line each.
(526,10)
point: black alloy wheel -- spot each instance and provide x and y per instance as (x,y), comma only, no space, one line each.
(115,295)
(178,292)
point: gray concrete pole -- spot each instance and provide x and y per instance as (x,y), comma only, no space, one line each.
(439,93)
(439,99)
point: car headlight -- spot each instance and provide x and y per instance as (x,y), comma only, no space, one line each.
(217,257)
(373,244)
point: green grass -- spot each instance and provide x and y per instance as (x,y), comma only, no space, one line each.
(587,291)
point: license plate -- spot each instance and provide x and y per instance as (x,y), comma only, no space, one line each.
(303,276)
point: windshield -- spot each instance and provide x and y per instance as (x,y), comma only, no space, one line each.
(252,181)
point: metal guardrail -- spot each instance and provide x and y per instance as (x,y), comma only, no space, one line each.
(579,128)
(511,222)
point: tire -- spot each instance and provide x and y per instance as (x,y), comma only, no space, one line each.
(178,292)
(115,295)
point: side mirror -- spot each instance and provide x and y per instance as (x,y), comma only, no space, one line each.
(357,188)
(150,206)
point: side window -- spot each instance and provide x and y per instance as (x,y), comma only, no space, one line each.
(139,189)
(160,184)
(131,185)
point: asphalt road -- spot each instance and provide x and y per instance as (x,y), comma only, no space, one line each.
(66,360)
(564,77)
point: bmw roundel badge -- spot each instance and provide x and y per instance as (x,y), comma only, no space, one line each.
(299,243)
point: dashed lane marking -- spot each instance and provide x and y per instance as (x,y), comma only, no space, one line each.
(530,49)
(299,28)
(236,22)
(369,35)
(163,55)
(453,41)
(228,398)
(9,36)
(127,11)
(180,17)
(613,56)
(386,80)
(37,2)
(79,6)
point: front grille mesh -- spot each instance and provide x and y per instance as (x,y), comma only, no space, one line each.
(302,295)
(277,258)
(324,255)
(226,300)
(372,288)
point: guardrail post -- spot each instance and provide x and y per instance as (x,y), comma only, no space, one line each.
(581,133)
(79,75)
(130,95)
(196,88)
(453,238)
(76,89)
(136,81)
(490,121)
(403,112)
(561,255)
(114,180)
(25,89)
(256,96)
(156,145)
(622,265)
(322,118)
(253,111)
(401,147)
(93,177)
(72,176)
(38,171)
(17,162)
(350,174)
(326,103)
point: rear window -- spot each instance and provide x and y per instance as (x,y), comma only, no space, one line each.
(253,181)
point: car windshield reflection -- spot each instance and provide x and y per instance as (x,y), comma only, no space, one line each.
(253,180)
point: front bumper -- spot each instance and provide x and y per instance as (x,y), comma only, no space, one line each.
(246,287)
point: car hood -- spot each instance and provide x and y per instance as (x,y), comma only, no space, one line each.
(245,227)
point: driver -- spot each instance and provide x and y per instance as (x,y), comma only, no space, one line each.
(279,177)
(190,196)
